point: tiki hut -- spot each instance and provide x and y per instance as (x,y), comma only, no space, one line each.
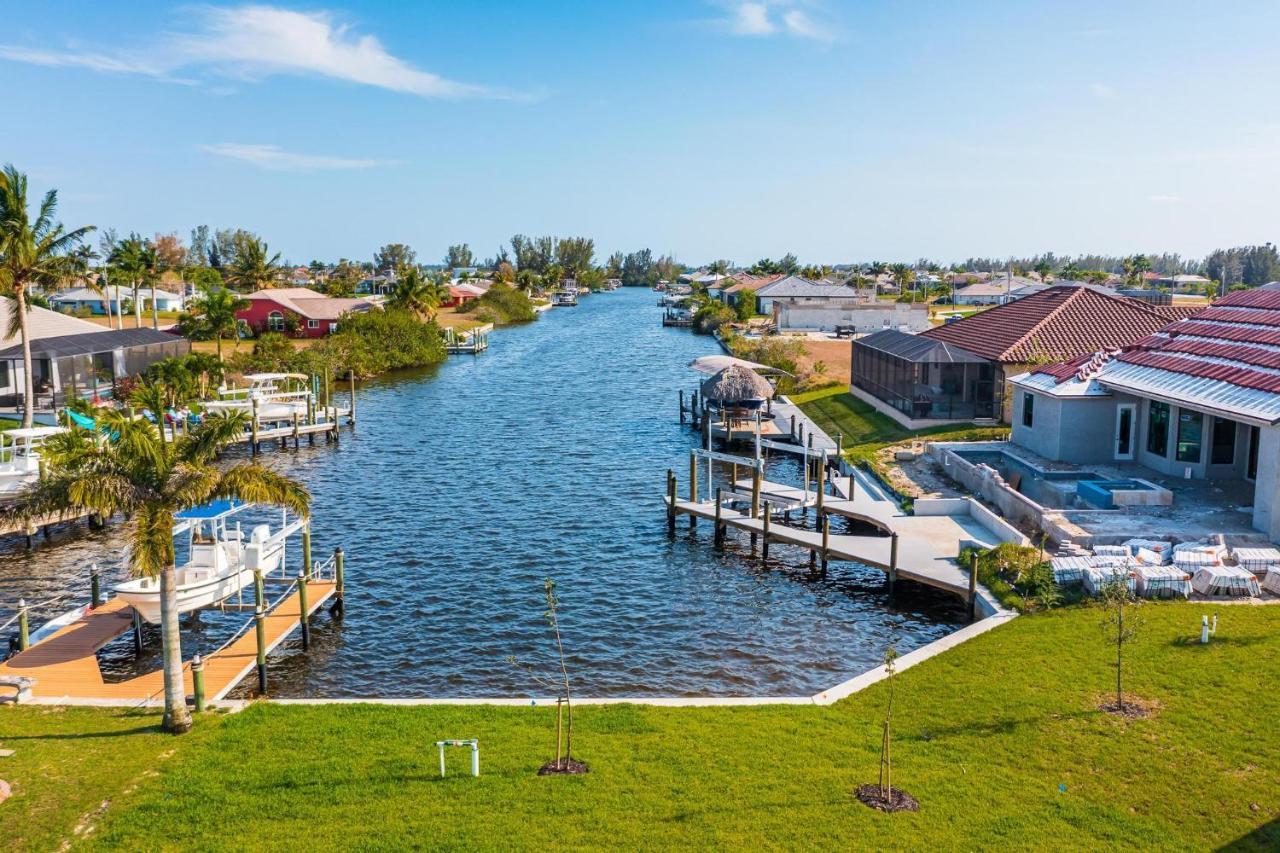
(737,387)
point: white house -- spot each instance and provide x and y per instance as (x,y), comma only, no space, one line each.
(82,297)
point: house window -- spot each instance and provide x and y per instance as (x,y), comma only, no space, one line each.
(1158,429)
(1190,433)
(1224,442)
(275,322)
(333,327)
(313,324)
(1028,408)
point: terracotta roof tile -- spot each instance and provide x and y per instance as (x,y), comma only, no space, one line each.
(1059,323)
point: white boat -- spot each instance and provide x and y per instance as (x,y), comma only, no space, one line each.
(278,396)
(220,563)
(566,298)
(20,457)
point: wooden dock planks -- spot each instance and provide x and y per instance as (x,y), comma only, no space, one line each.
(65,665)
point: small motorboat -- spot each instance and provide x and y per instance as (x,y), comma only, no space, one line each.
(220,562)
(20,457)
(278,396)
(565,298)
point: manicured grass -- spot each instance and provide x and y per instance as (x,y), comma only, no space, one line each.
(999,739)
(70,763)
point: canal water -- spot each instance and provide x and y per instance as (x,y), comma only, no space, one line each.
(466,485)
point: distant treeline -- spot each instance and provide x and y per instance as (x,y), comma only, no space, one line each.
(1249,265)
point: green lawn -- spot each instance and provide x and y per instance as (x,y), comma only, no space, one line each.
(866,430)
(999,739)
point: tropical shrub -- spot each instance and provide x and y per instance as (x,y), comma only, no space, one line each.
(501,305)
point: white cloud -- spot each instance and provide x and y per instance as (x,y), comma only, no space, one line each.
(1164,199)
(251,42)
(771,17)
(751,19)
(1102,91)
(277,159)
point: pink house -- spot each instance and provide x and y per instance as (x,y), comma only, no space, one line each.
(298,311)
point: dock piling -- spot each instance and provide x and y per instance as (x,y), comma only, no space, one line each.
(893,561)
(137,634)
(303,611)
(671,501)
(351,375)
(24,627)
(682,405)
(295,431)
(339,603)
(719,532)
(260,626)
(253,445)
(693,487)
(197,681)
(826,541)
(95,587)
(306,551)
(764,548)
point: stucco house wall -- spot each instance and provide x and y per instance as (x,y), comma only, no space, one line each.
(1079,430)
(865,318)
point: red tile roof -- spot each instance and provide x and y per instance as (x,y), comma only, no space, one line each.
(1059,323)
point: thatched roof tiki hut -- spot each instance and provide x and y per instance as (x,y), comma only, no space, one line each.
(737,387)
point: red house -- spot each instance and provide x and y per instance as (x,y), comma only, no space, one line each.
(461,294)
(298,312)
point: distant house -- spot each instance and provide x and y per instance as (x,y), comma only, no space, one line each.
(799,304)
(75,358)
(376,285)
(462,293)
(732,288)
(298,310)
(997,291)
(1198,399)
(84,298)
(908,378)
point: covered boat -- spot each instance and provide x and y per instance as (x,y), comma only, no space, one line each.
(220,562)
(20,457)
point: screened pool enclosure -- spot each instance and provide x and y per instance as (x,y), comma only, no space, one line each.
(927,379)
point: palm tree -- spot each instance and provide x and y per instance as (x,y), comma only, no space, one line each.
(32,254)
(253,267)
(82,263)
(148,480)
(415,294)
(132,259)
(214,311)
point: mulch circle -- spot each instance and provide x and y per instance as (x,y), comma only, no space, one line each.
(1131,710)
(897,801)
(563,767)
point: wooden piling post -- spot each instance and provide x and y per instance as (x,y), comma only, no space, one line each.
(693,486)
(259,589)
(339,602)
(826,541)
(253,446)
(24,626)
(853,483)
(822,484)
(295,430)
(755,497)
(260,628)
(95,587)
(682,405)
(893,561)
(791,431)
(137,633)
(197,681)
(973,585)
(306,550)
(351,375)
(719,532)
(304,614)
(671,501)
(733,484)
(764,548)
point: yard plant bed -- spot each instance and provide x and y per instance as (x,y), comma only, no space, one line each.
(896,801)
(1000,739)
(563,767)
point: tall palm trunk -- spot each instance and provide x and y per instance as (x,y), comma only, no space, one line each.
(106,301)
(155,316)
(119,307)
(177,719)
(137,304)
(218,343)
(28,369)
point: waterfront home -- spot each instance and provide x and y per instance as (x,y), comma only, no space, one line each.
(461,294)
(376,285)
(998,291)
(918,384)
(732,288)
(797,304)
(299,311)
(75,358)
(1199,400)
(82,298)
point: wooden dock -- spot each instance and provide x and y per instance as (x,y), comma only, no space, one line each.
(66,669)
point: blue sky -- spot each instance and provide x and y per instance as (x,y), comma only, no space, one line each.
(839,131)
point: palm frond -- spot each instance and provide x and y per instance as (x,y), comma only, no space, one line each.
(253,483)
(215,432)
(190,484)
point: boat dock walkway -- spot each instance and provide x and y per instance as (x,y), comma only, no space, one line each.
(927,545)
(65,666)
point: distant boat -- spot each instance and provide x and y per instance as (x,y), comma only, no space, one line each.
(219,563)
(20,457)
(566,298)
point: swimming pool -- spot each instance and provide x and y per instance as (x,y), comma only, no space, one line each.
(1053,489)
